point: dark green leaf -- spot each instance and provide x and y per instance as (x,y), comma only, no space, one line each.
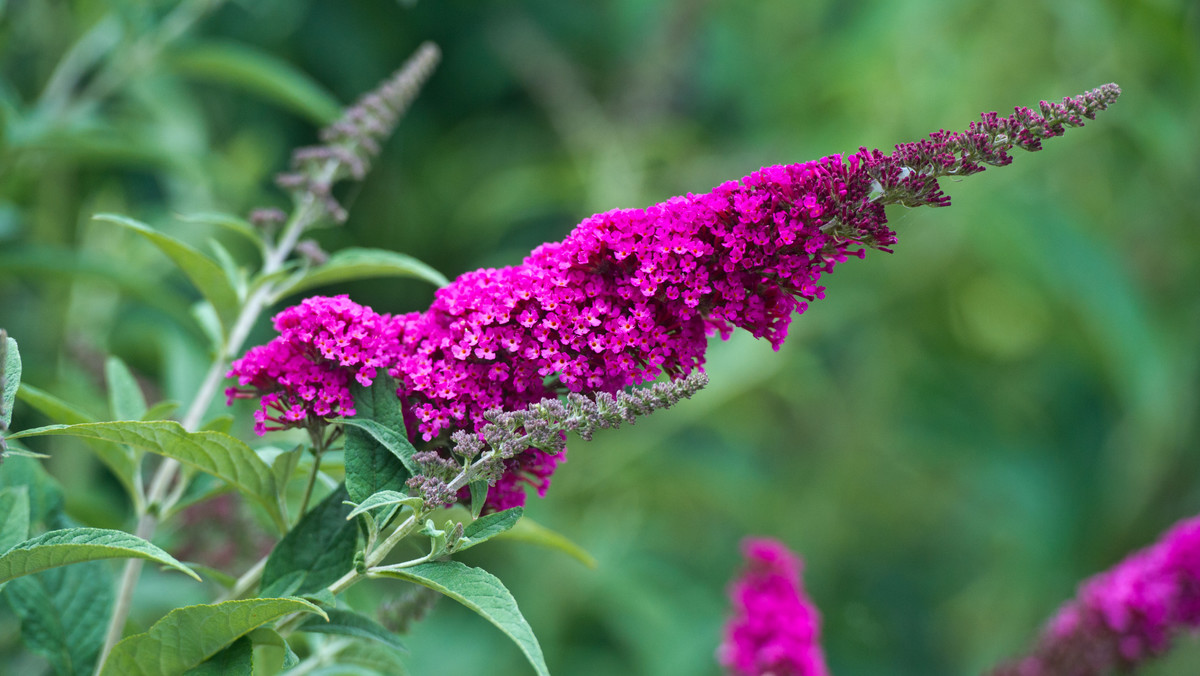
(259,73)
(125,398)
(235,660)
(213,452)
(204,272)
(10,367)
(14,516)
(76,545)
(378,453)
(188,636)
(355,263)
(350,623)
(487,527)
(64,613)
(483,593)
(321,547)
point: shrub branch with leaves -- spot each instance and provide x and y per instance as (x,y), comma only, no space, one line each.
(469,403)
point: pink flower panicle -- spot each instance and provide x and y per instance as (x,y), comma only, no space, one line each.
(304,374)
(775,630)
(631,294)
(1124,616)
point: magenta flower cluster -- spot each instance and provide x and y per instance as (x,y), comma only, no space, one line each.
(303,375)
(775,630)
(634,293)
(1126,615)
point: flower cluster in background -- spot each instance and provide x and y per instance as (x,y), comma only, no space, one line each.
(1124,616)
(632,294)
(775,630)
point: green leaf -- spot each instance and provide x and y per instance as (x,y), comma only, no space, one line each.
(483,593)
(257,72)
(479,491)
(14,516)
(204,272)
(358,263)
(125,398)
(160,411)
(45,493)
(188,636)
(485,528)
(10,367)
(366,658)
(377,450)
(320,548)
(528,530)
(64,613)
(384,499)
(120,460)
(274,653)
(228,221)
(235,660)
(350,623)
(213,452)
(76,545)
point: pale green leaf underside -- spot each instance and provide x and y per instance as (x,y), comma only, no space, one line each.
(204,272)
(213,452)
(11,368)
(188,636)
(14,516)
(359,263)
(76,545)
(386,499)
(483,593)
(125,398)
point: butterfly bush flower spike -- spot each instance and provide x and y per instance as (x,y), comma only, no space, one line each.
(1125,616)
(633,294)
(775,630)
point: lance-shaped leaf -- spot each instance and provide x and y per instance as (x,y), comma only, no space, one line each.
(188,636)
(528,530)
(121,461)
(213,452)
(76,545)
(377,450)
(350,623)
(10,370)
(314,554)
(230,222)
(125,398)
(64,612)
(204,272)
(259,73)
(386,499)
(487,527)
(357,263)
(14,516)
(483,593)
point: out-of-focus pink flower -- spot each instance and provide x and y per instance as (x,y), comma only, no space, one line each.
(1125,615)
(775,630)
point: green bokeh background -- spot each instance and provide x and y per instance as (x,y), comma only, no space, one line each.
(952,439)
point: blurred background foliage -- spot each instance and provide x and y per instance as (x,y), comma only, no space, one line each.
(954,438)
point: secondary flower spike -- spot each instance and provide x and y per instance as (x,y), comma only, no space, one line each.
(631,294)
(1125,616)
(775,630)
